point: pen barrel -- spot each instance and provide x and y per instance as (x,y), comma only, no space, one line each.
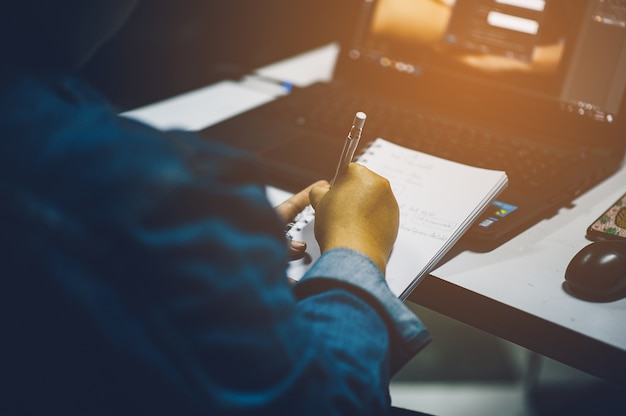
(347,154)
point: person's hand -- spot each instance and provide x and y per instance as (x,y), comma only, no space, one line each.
(360,212)
(289,209)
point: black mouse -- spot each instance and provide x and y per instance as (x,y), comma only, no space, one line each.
(598,272)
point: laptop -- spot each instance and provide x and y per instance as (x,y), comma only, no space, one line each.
(532,87)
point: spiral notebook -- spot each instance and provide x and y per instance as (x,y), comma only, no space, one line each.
(439,200)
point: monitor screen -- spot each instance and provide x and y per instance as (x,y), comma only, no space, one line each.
(569,52)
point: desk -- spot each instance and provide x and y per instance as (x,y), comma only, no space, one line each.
(513,292)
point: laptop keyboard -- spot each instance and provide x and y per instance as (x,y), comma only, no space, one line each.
(528,166)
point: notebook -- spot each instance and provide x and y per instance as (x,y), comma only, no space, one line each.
(532,87)
(438,200)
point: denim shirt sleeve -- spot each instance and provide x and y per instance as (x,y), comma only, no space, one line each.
(360,275)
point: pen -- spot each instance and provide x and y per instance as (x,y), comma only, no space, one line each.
(350,145)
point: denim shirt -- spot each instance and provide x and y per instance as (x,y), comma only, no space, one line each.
(144,273)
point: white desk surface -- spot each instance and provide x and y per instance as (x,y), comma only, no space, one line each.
(525,273)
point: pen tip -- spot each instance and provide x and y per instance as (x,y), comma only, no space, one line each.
(359,119)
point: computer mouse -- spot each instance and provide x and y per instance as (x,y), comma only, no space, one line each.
(598,272)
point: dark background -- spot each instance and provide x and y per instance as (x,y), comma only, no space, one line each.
(171,46)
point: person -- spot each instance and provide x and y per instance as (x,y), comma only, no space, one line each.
(144,271)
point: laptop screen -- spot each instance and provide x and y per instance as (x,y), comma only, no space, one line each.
(548,60)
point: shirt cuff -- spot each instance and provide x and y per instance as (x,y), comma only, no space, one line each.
(359,274)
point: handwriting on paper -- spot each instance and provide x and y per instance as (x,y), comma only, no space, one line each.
(408,174)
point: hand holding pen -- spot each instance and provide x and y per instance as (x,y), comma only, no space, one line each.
(360,212)
(347,154)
